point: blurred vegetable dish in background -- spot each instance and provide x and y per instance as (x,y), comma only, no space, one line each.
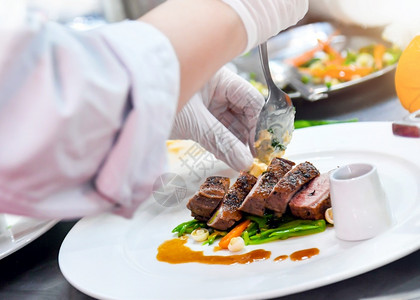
(325,65)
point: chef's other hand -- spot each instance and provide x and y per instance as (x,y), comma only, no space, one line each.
(265,18)
(222,118)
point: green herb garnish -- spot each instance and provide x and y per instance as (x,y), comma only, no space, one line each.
(277,145)
(328,84)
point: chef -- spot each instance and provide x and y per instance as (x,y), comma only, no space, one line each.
(84,116)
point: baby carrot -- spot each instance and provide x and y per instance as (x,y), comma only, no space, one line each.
(335,56)
(235,232)
(309,54)
(378,53)
(304,57)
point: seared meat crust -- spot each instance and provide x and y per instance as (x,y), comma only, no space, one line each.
(254,202)
(208,198)
(227,213)
(289,185)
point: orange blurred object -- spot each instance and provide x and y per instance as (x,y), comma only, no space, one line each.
(407,79)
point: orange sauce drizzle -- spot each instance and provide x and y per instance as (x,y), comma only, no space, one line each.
(175,252)
(281,257)
(304,254)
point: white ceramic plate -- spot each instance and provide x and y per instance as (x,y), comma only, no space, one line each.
(108,257)
(16,232)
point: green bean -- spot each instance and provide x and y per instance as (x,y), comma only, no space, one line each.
(291,229)
(212,237)
(291,224)
(245,236)
(178,228)
(188,227)
(258,232)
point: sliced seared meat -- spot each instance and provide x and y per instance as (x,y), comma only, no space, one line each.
(289,185)
(207,199)
(313,200)
(202,208)
(227,213)
(280,165)
(254,203)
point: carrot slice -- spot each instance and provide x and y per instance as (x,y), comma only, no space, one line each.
(335,56)
(304,57)
(308,55)
(340,72)
(235,232)
(378,53)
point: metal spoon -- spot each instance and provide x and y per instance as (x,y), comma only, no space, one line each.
(275,124)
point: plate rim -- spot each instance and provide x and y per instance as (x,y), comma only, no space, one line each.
(35,231)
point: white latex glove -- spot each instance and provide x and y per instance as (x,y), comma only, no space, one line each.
(222,118)
(266,18)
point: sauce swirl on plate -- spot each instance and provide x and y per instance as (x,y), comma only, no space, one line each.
(175,252)
(304,254)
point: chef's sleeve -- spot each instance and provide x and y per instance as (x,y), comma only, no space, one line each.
(84,117)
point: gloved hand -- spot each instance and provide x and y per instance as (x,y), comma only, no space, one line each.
(222,117)
(266,18)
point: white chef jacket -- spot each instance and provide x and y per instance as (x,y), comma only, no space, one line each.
(84,117)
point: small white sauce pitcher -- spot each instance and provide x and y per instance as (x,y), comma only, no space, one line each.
(359,203)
